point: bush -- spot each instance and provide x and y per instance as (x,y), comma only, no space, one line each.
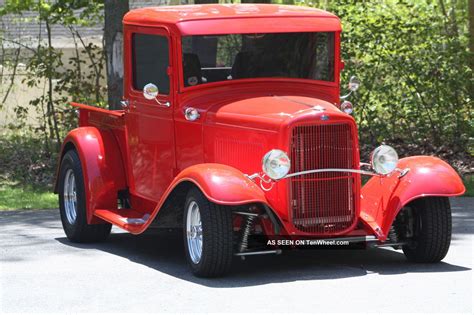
(413,60)
(26,160)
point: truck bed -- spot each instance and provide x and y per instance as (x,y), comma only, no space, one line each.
(96,116)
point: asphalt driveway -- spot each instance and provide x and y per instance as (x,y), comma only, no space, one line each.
(41,271)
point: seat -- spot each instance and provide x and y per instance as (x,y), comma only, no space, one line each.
(258,65)
(191,69)
(244,65)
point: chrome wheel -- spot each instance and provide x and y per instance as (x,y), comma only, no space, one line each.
(70,197)
(194,232)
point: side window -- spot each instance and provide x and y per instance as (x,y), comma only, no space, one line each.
(150,61)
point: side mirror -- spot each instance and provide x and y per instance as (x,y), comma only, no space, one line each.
(354,83)
(150,91)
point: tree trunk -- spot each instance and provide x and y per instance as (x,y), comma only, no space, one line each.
(113,35)
(53,119)
(471,33)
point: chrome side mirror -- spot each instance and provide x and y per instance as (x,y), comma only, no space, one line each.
(354,84)
(150,91)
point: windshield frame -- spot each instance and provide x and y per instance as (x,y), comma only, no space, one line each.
(334,83)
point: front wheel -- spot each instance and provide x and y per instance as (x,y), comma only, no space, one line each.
(72,203)
(208,234)
(431,224)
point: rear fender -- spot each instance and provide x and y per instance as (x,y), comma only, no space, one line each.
(102,167)
(382,198)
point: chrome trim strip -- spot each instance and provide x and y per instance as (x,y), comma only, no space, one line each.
(246,213)
(262,252)
(323,220)
(389,244)
(323,170)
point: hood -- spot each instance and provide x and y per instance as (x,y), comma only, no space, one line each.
(269,112)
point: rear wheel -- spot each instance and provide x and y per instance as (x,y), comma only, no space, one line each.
(72,203)
(207,235)
(431,225)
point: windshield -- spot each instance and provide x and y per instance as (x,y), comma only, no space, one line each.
(209,58)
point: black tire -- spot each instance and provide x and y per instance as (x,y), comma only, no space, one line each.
(217,236)
(78,231)
(432,230)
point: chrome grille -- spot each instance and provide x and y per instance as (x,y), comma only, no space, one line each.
(322,203)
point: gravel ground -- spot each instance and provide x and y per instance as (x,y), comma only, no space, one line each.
(40,271)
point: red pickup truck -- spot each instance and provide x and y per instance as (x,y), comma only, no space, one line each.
(233,130)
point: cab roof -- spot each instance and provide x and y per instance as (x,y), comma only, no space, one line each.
(247,18)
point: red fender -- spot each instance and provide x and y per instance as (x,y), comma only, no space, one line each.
(102,167)
(220,184)
(383,197)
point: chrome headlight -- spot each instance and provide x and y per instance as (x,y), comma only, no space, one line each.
(347,108)
(384,159)
(276,164)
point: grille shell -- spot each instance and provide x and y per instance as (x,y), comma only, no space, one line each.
(323,203)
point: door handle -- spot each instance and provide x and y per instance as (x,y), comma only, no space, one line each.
(166,103)
(125,104)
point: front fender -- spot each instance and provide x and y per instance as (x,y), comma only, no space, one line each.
(222,184)
(383,197)
(102,167)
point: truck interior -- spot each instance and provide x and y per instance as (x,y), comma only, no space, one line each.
(214,58)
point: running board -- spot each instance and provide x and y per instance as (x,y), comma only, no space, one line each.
(123,218)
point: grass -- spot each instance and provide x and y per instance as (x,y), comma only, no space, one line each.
(18,197)
(27,169)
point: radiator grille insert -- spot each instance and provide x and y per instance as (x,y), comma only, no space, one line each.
(322,203)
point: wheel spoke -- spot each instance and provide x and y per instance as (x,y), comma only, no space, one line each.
(194,232)
(70,197)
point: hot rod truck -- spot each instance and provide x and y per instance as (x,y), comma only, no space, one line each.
(232,126)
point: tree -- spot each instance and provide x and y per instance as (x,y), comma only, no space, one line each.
(113,37)
(471,32)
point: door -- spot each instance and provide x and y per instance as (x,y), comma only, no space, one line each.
(149,122)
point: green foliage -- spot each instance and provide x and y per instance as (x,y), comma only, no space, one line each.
(80,80)
(27,170)
(26,158)
(469,183)
(412,57)
(64,12)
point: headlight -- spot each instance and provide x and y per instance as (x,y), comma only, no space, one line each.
(346,107)
(276,164)
(384,159)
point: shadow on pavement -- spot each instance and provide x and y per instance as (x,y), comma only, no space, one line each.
(164,252)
